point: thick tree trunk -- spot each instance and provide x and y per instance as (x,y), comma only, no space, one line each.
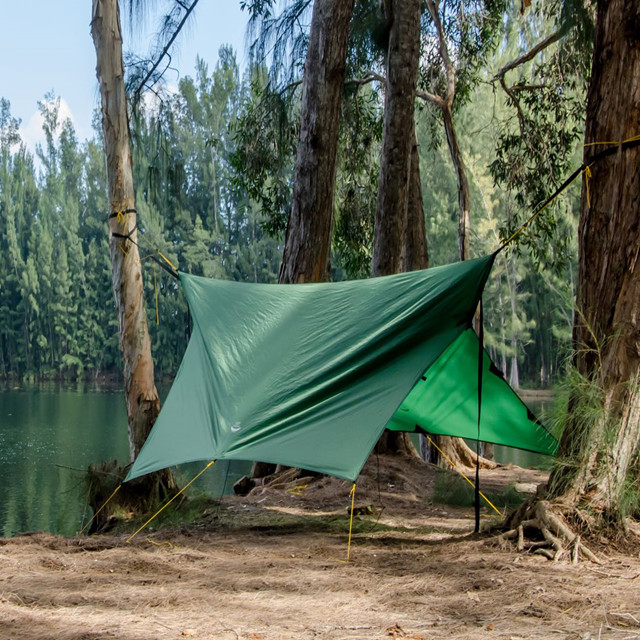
(416,251)
(398,145)
(308,237)
(143,404)
(397,139)
(607,322)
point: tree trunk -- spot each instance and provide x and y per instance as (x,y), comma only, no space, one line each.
(308,237)
(143,404)
(397,139)
(464,199)
(398,147)
(607,323)
(416,251)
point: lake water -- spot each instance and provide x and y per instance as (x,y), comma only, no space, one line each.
(48,437)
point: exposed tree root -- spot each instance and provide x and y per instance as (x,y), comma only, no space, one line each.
(286,478)
(135,497)
(539,527)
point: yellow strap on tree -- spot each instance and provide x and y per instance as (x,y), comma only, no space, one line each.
(597,157)
(587,177)
(159,511)
(613,142)
(452,463)
(352,493)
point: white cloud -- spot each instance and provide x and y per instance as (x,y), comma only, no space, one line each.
(151,100)
(32,133)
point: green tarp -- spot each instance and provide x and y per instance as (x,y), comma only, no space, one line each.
(445,403)
(309,375)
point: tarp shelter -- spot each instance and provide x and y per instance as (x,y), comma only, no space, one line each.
(310,375)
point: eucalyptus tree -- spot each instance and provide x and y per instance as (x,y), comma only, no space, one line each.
(447,24)
(596,480)
(398,154)
(398,140)
(143,404)
(606,323)
(308,231)
(308,236)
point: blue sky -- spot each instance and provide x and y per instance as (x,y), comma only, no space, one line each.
(46,45)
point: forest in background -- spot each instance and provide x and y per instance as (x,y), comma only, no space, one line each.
(213,168)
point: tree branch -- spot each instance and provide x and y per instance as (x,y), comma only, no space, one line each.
(156,64)
(529,55)
(431,97)
(444,53)
(527,87)
(367,79)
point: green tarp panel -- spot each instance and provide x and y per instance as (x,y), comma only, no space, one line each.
(445,403)
(307,375)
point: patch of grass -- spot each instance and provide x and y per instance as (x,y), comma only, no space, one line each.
(454,490)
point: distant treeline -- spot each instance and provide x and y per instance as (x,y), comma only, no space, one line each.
(208,198)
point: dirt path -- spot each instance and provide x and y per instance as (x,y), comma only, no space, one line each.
(271,566)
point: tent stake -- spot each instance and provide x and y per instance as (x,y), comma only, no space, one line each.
(352,493)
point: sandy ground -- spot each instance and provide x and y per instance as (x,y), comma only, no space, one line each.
(272,566)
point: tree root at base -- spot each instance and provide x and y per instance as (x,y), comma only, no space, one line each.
(539,528)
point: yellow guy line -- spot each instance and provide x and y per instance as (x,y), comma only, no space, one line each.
(444,455)
(352,493)
(173,266)
(570,180)
(99,510)
(155,289)
(522,227)
(130,538)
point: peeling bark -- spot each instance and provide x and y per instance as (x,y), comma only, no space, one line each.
(143,404)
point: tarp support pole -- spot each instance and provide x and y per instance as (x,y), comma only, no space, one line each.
(480,366)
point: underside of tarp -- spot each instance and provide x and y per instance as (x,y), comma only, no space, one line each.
(309,375)
(444,402)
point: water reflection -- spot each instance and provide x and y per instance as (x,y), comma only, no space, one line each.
(48,436)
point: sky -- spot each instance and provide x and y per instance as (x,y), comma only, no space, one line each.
(45,45)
